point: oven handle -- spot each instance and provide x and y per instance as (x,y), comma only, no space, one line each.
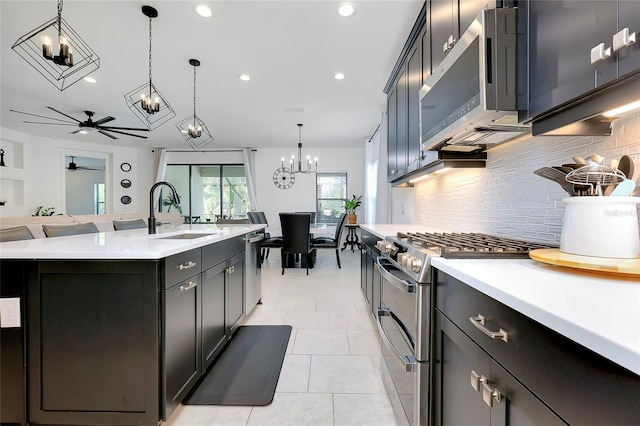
(407,361)
(404,285)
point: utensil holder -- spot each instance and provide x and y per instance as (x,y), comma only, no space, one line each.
(601,227)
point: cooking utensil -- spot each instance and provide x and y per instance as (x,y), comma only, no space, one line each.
(624,188)
(596,177)
(609,189)
(573,165)
(563,169)
(626,166)
(594,159)
(579,160)
(556,176)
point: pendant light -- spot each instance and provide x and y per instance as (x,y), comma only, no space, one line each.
(193,129)
(292,161)
(64,62)
(146,101)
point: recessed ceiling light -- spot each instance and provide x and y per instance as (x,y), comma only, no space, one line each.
(204,11)
(346,9)
(83,132)
(89,79)
(244,77)
(339,76)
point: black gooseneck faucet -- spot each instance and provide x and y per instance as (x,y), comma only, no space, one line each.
(152,220)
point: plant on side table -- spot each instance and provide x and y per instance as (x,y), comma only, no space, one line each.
(350,206)
(42,211)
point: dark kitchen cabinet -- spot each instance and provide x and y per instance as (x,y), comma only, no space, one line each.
(392,129)
(450,19)
(468,377)
(235,292)
(535,377)
(92,343)
(563,35)
(369,276)
(414,82)
(180,341)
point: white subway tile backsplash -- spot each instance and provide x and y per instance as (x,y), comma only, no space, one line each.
(507,198)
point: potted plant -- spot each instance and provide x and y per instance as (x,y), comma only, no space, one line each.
(170,201)
(350,206)
(42,211)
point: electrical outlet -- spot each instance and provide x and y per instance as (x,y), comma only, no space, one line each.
(10,312)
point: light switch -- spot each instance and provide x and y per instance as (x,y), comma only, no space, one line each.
(10,312)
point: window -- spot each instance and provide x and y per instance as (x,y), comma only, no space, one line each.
(99,198)
(208,191)
(331,191)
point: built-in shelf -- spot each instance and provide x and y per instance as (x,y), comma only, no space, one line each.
(12,177)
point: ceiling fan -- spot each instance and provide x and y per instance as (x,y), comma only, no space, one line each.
(74,167)
(88,124)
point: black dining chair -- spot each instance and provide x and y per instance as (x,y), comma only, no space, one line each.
(313,217)
(296,238)
(64,230)
(15,234)
(269,242)
(121,225)
(332,242)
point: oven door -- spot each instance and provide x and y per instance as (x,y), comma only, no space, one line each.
(396,325)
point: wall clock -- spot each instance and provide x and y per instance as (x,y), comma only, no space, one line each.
(284,178)
(125,183)
(125,167)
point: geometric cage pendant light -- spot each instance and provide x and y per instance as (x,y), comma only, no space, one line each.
(57,52)
(193,129)
(146,101)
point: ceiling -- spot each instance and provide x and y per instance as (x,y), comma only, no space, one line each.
(291,49)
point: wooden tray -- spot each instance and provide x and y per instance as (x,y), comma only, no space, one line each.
(624,267)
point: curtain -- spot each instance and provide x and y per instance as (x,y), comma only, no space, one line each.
(376,186)
(248,172)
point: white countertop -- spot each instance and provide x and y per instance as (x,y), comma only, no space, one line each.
(128,244)
(600,312)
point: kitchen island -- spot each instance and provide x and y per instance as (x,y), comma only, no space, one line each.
(117,326)
(573,345)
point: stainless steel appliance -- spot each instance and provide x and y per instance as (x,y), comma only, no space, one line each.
(253,268)
(405,314)
(469,103)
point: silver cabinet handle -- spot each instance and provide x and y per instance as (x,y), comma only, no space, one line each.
(477,380)
(489,395)
(623,39)
(404,285)
(600,53)
(188,286)
(190,264)
(479,323)
(230,269)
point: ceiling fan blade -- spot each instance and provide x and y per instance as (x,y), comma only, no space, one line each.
(138,129)
(39,116)
(106,134)
(125,133)
(103,120)
(51,124)
(75,132)
(66,115)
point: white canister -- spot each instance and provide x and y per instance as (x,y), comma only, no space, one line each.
(601,227)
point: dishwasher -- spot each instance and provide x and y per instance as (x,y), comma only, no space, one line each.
(253,270)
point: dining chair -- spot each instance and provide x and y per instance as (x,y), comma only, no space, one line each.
(296,238)
(64,230)
(269,242)
(332,242)
(313,217)
(15,234)
(121,225)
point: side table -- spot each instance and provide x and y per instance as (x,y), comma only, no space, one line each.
(352,237)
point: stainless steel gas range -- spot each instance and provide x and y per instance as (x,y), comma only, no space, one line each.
(404,316)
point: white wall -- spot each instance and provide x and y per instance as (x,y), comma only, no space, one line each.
(42,172)
(506,197)
(301,196)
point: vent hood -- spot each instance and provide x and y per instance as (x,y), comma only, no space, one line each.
(584,116)
(438,161)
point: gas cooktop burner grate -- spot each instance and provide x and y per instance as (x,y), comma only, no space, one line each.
(470,245)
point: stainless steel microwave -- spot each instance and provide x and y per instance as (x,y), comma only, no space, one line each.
(469,103)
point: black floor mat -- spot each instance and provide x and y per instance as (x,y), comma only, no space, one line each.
(247,371)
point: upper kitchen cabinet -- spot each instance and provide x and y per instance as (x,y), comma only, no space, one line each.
(450,19)
(578,46)
(403,105)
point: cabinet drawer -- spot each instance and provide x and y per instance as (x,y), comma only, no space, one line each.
(565,375)
(181,266)
(219,252)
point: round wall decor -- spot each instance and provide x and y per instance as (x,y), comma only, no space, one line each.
(283,178)
(125,183)
(125,167)
(125,199)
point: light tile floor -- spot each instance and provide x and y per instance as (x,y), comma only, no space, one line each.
(331,372)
